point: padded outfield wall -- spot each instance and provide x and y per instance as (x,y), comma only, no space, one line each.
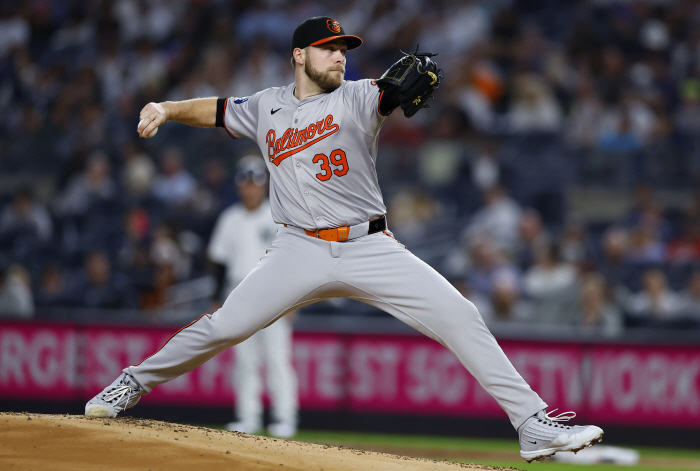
(606,384)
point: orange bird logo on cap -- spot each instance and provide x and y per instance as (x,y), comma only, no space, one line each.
(333,25)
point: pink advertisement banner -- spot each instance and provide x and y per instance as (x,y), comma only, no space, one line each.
(623,384)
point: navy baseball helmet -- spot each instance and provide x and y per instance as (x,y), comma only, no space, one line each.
(250,167)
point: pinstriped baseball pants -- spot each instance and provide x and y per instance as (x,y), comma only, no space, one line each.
(376,269)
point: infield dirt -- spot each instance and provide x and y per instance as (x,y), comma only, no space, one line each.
(67,442)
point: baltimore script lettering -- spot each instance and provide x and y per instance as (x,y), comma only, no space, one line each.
(297,140)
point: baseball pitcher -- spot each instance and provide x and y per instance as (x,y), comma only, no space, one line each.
(319,137)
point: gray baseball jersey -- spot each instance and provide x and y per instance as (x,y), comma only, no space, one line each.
(321,153)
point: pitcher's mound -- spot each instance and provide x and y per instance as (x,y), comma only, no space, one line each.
(66,442)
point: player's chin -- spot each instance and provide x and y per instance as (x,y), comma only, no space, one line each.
(337,77)
(333,82)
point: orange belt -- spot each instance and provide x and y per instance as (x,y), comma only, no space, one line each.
(341,234)
(338,234)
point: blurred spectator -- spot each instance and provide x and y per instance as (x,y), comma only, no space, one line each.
(497,220)
(627,123)
(265,21)
(150,283)
(194,84)
(99,287)
(613,265)
(91,188)
(575,243)
(646,212)
(585,116)
(210,195)
(643,201)
(533,237)
(687,117)
(439,160)
(136,233)
(598,314)
(685,248)
(464,25)
(402,137)
(489,264)
(15,30)
(216,70)
(480,87)
(692,209)
(138,172)
(507,304)
(411,209)
(92,126)
(167,254)
(139,20)
(535,108)
(626,128)
(486,171)
(619,138)
(645,246)
(90,211)
(262,70)
(218,185)
(551,284)
(655,301)
(174,185)
(75,34)
(25,225)
(550,275)
(149,66)
(16,298)
(52,289)
(690,297)
(113,71)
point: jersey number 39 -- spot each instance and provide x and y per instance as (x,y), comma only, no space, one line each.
(337,158)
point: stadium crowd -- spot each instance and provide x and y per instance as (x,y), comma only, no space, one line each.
(539,97)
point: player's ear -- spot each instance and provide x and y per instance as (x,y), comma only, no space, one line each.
(299,56)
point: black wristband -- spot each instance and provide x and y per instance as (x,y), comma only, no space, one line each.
(220,110)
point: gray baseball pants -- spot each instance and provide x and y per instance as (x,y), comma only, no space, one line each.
(376,269)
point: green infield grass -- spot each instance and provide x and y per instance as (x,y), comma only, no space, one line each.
(492,452)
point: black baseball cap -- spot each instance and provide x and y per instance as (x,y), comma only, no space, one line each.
(319,30)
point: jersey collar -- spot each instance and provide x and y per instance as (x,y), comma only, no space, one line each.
(293,86)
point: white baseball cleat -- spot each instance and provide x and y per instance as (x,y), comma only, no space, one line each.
(282,430)
(122,394)
(251,428)
(541,436)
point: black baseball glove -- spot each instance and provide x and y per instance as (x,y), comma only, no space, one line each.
(410,82)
